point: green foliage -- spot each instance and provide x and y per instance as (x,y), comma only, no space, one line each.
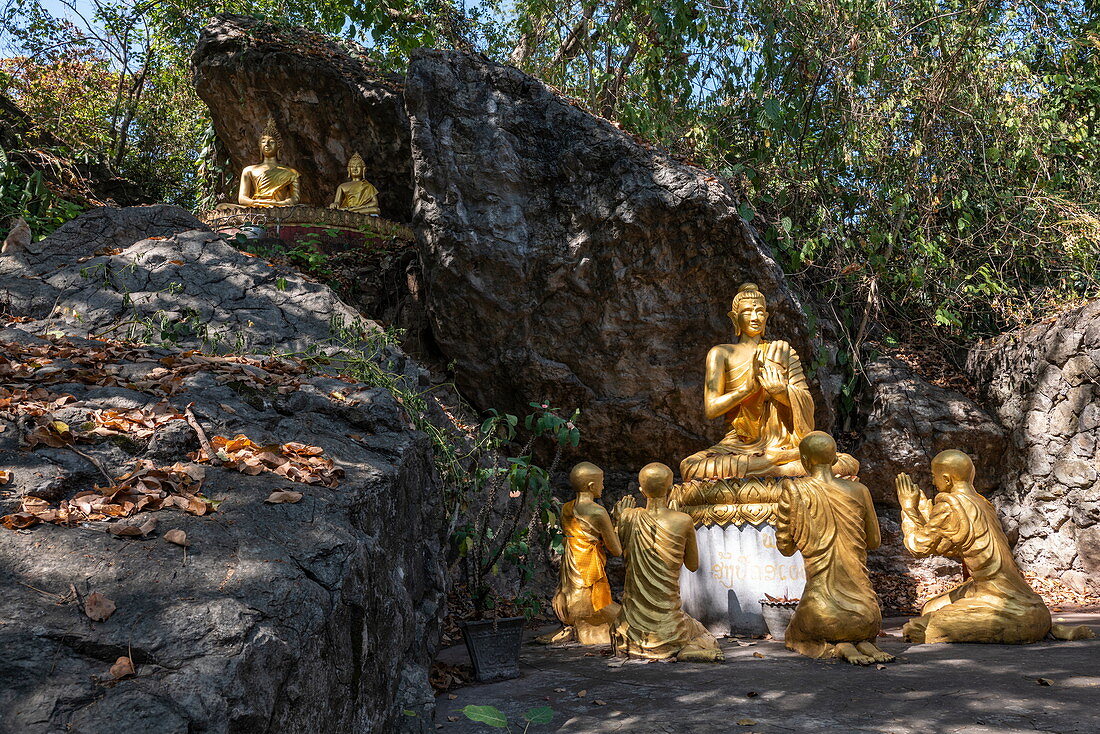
(494,717)
(28,197)
(506,535)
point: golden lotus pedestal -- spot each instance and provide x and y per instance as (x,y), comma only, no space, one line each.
(738,560)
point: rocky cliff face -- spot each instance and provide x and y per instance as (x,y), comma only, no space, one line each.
(907,421)
(328,104)
(1042,383)
(566,261)
(317,616)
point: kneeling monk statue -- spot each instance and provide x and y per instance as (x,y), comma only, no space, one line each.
(833,523)
(760,389)
(995,604)
(583,600)
(657,541)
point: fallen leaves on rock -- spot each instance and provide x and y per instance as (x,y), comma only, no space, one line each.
(1044,681)
(123,668)
(746,722)
(757,655)
(133,530)
(5,476)
(282,497)
(146,487)
(98,607)
(298,462)
(446,677)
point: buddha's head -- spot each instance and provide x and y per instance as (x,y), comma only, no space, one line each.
(356,168)
(817,448)
(270,140)
(952,468)
(749,311)
(655,480)
(587,477)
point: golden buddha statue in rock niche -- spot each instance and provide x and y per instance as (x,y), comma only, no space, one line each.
(657,541)
(832,522)
(269,184)
(760,389)
(357,194)
(583,599)
(995,604)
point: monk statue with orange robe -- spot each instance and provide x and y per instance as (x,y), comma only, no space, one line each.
(583,599)
(657,543)
(832,522)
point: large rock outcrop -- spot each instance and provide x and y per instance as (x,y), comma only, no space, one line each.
(907,421)
(327,101)
(320,616)
(1043,383)
(566,261)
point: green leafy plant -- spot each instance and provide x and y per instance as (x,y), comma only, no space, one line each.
(506,533)
(494,717)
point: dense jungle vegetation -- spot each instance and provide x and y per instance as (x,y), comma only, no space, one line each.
(932,163)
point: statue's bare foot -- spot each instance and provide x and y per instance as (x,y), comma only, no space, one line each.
(849,652)
(565,634)
(700,655)
(879,656)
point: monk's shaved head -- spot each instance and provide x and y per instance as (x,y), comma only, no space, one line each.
(817,448)
(655,479)
(955,464)
(586,477)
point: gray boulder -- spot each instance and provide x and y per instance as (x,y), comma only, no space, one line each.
(320,616)
(566,261)
(908,421)
(1043,384)
(328,101)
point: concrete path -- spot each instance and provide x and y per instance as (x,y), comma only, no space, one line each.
(762,687)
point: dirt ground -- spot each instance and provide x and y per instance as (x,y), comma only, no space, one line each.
(762,687)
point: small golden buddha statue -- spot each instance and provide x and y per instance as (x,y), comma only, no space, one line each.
(269,184)
(357,194)
(657,542)
(583,600)
(995,604)
(760,389)
(833,523)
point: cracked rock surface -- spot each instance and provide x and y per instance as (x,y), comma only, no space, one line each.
(908,421)
(319,616)
(565,260)
(1043,383)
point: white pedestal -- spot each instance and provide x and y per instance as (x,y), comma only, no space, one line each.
(737,566)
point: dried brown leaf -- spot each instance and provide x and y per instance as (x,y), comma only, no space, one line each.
(279,497)
(98,607)
(178,537)
(123,668)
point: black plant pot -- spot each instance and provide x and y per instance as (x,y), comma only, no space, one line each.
(777,615)
(493,645)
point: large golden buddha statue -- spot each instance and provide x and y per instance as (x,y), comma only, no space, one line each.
(269,184)
(357,194)
(759,388)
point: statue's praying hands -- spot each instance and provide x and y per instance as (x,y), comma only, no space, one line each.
(909,494)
